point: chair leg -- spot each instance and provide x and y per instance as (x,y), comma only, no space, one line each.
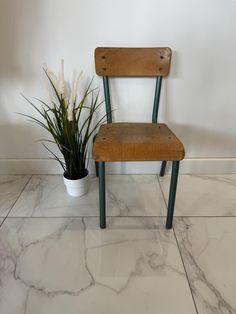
(102,194)
(163,168)
(96,168)
(96,163)
(172,194)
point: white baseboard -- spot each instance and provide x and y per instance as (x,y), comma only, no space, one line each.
(187,166)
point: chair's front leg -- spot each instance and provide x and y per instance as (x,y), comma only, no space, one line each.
(163,168)
(172,194)
(102,194)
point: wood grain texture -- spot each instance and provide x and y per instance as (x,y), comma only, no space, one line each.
(136,142)
(132,61)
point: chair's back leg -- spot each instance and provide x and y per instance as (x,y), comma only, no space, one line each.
(172,194)
(96,164)
(163,168)
(107,98)
(96,168)
(102,194)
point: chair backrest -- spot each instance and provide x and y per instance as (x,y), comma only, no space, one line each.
(139,62)
(132,61)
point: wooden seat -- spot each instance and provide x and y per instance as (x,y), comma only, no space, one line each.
(136,141)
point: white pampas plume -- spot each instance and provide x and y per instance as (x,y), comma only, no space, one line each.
(74,86)
(48,93)
(70,109)
(52,76)
(61,82)
(47,85)
(73,96)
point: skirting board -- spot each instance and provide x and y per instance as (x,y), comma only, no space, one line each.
(187,166)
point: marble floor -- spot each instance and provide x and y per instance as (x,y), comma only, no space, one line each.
(54,259)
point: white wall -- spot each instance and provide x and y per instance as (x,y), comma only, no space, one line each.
(198,99)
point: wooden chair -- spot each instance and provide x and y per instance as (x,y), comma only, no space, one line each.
(135,141)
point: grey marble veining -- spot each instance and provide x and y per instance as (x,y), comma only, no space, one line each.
(127,195)
(69,265)
(208,249)
(203,195)
(10,188)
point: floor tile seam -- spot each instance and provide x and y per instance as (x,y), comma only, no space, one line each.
(14,203)
(93,216)
(3,221)
(186,274)
(162,192)
(84,216)
(206,216)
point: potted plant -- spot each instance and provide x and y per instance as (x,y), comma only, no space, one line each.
(71,121)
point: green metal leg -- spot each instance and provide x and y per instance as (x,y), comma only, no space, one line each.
(96,168)
(96,164)
(172,194)
(102,194)
(163,168)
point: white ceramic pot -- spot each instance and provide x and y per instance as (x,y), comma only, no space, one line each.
(77,187)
